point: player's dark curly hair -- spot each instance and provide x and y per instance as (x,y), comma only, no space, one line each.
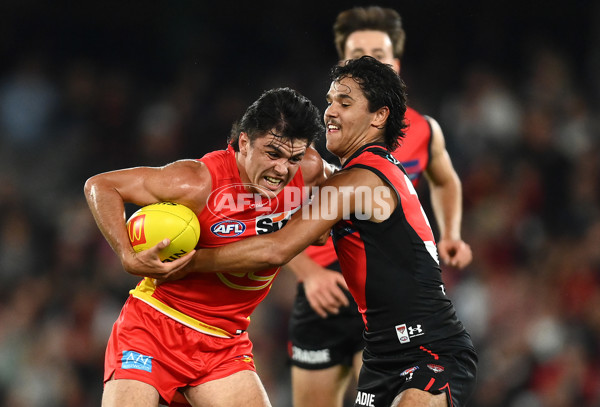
(382,86)
(283,110)
(369,18)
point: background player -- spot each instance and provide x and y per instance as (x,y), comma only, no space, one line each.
(325,326)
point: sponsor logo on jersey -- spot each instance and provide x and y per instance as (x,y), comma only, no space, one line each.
(416,330)
(310,356)
(365,399)
(273,222)
(405,333)
(392,159)
(343,229)
(228,228)
(134,360)
(436,368)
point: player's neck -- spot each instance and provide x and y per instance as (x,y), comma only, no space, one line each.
(241,168)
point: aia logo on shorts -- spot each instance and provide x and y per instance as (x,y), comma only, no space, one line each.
(436,368)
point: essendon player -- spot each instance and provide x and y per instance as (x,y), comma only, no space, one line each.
(189,336)
(325,319)
(417,351)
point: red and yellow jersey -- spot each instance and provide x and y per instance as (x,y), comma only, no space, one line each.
(414,154)
(220,304)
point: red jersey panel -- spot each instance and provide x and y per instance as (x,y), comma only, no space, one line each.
(414,155)
(220,304)
(415,148)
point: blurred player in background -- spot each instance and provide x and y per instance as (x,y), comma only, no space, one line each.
(189,336)
(325,327)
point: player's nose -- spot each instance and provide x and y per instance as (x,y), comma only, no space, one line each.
(281,167)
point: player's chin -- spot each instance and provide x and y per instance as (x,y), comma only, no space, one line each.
(270,194)
(333,143)
(271,190)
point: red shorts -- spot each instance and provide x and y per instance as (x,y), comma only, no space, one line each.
(148,346)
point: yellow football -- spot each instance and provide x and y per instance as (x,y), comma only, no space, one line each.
(153,223)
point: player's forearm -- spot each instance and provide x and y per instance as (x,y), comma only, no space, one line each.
(104,203)
(252,254)
(301,265)
(446,202)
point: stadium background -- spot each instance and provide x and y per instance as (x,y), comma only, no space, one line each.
(89,87)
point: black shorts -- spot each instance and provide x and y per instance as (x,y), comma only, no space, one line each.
(448,366)
(318,343)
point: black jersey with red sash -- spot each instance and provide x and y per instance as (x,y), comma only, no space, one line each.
(392,267)
(414,153)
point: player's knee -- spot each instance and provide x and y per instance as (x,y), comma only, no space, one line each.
(419,398)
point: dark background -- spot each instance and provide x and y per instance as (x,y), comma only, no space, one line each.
(255,44)
(89,87)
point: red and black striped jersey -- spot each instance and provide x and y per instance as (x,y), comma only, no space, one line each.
(392,267)
(414,154)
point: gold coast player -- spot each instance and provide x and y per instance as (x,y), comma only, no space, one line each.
(417,352)
(189,336)
(325,327)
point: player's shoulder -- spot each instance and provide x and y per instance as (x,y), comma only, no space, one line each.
(192,178)
(365,174)
(187,171)
(186,164)
(411,111)
(414,117)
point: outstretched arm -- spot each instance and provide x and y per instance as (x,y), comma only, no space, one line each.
(323,287)
(446,201)
(304,227)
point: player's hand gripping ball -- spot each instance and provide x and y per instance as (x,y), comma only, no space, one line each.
(153,223)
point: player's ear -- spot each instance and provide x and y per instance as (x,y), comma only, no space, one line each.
(243,143)
(381,116)
(397,65)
